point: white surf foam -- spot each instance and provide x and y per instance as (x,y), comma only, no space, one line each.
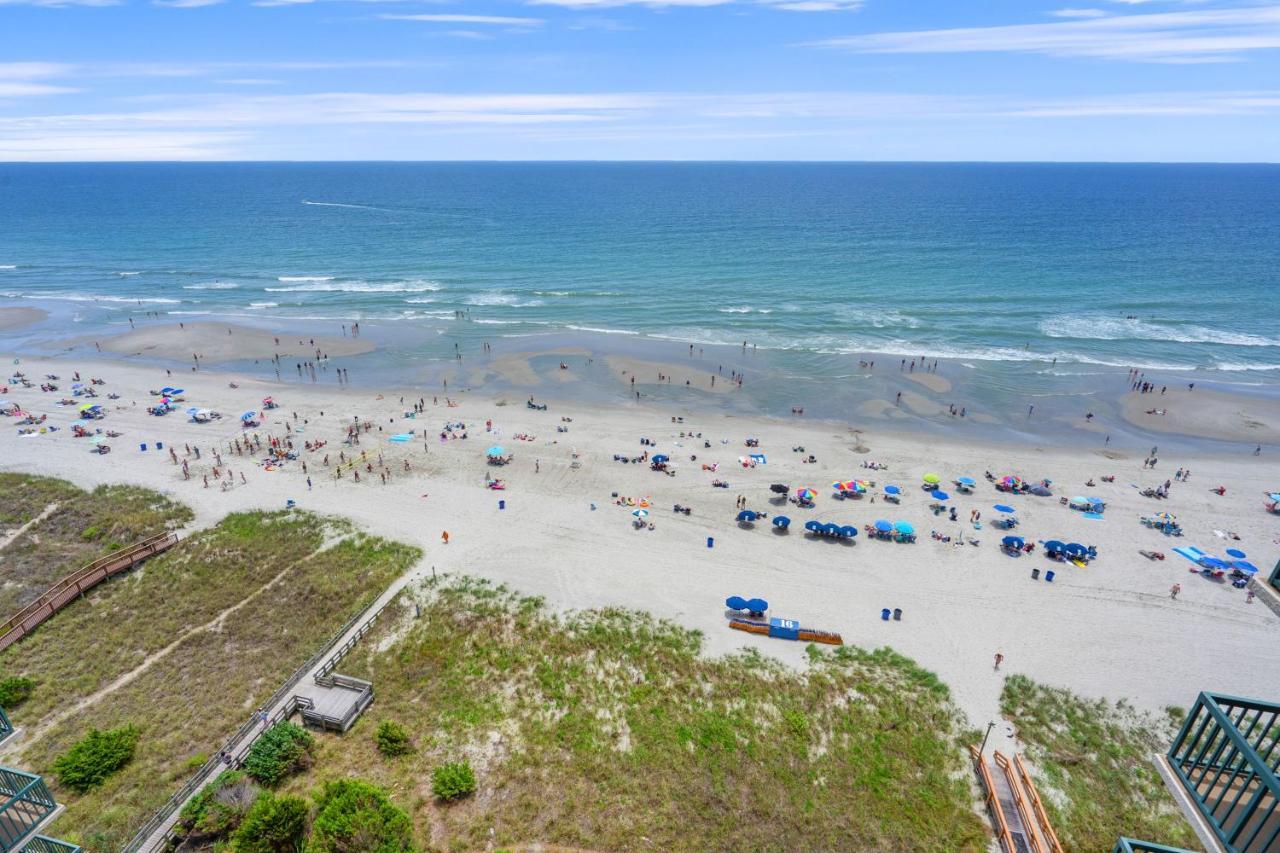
(1122,329)
(327,285)
(212,285)
(304,278)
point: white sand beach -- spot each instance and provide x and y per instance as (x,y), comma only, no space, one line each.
(1108,630)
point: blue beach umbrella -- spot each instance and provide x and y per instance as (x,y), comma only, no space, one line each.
(1075,549)
(966,481)
(781,521)
(940,496)
(1213,563)
(904,528)
(883,525)
(1013,541)
(1245,566)
(1235,552)
(831,529)
(747,515)
(248,416)
(1004,508)
(735,602)
(892,490)
(813,526)
(496,450)
(848,531)
(1054,545)
(660,458)
(757,605)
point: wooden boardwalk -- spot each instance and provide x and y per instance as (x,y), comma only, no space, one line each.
(73,585)
(1017,813)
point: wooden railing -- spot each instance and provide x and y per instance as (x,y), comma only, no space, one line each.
(1020,802)
(1001,827)
(68,588)
(1037,806)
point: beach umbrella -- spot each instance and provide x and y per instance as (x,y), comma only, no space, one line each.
(1075,549)
(75,385)
(1245,567)
(904,528)
(660,458)
(1275,496)
(735,602)
(1079,501)
(1235,552)
(1040,491)
(98,439)
(806,494)
(781,521)
(639,513)
(848,531)
(193,410)
(173,392)
(747,515)
(1053,545)
(496,450)
(1013,541)
(932,479)
(1004,508)
(779,488)
(892,490)
(939,496)
(831,529)
(248,416)
(166,391)
(757,605)
(883,525)
(842,486)
(813,526)
(966,481)
(1212,563)
(86,407)
(860,485)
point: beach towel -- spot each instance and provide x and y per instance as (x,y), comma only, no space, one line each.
(1093,515)
(1192,553)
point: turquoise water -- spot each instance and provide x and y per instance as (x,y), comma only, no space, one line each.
(1022,273)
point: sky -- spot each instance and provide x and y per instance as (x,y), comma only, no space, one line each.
(1004,80)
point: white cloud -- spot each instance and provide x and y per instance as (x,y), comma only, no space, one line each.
(186,4)
(495,20)
(1078,13)
(56,4)
(118,146)
(27,79)
(787,5)
(1197,36)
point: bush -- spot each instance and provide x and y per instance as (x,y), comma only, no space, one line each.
(392,739)
(98,755)
(15,690)
(353,816)
(281,751)
(220,807)
(453,781)
(273,825)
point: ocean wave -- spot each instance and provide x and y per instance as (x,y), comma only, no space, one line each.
(422,300)
(304,278)
(352,206)
(8,266)
(91,297)
(579,293)
(744,309)
(1122,329)
(877,318)
(264,305)
(602,331)
(327,285)
(508,300)
(128,274)
(213,285)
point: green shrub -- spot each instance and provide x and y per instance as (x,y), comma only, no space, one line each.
(15,690)
(220,807)
(353,816)
(453,781)
(392,739)
(281,751)
(91,533)
(195,762)
(273,825)
(95,757)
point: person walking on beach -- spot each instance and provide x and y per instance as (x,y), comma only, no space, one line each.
(1174,590)
(445,536)
(999,660)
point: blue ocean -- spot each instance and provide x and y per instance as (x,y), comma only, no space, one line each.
(1024,274)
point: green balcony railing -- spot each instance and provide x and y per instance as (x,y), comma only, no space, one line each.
(41,844)
(1133,845)
(6,727)
(24,804)
(1226,756)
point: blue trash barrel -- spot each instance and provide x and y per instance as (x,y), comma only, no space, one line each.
(884,614)
(1048,576)
(710,542)
(159,445)
(142,447)
(502,504)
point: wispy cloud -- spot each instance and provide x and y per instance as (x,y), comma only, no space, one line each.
(788,5)
(186,4)
(1205,35)
(55,4)
(1079,13)
(29,79)
(494,20)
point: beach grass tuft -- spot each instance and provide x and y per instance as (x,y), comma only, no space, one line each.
(609,729)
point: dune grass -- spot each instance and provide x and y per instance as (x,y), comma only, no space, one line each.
(180,664)
(607,730)
(83,527)
(1093,759)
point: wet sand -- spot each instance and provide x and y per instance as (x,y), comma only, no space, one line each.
(1205,413)
(17,318)
(218,343)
